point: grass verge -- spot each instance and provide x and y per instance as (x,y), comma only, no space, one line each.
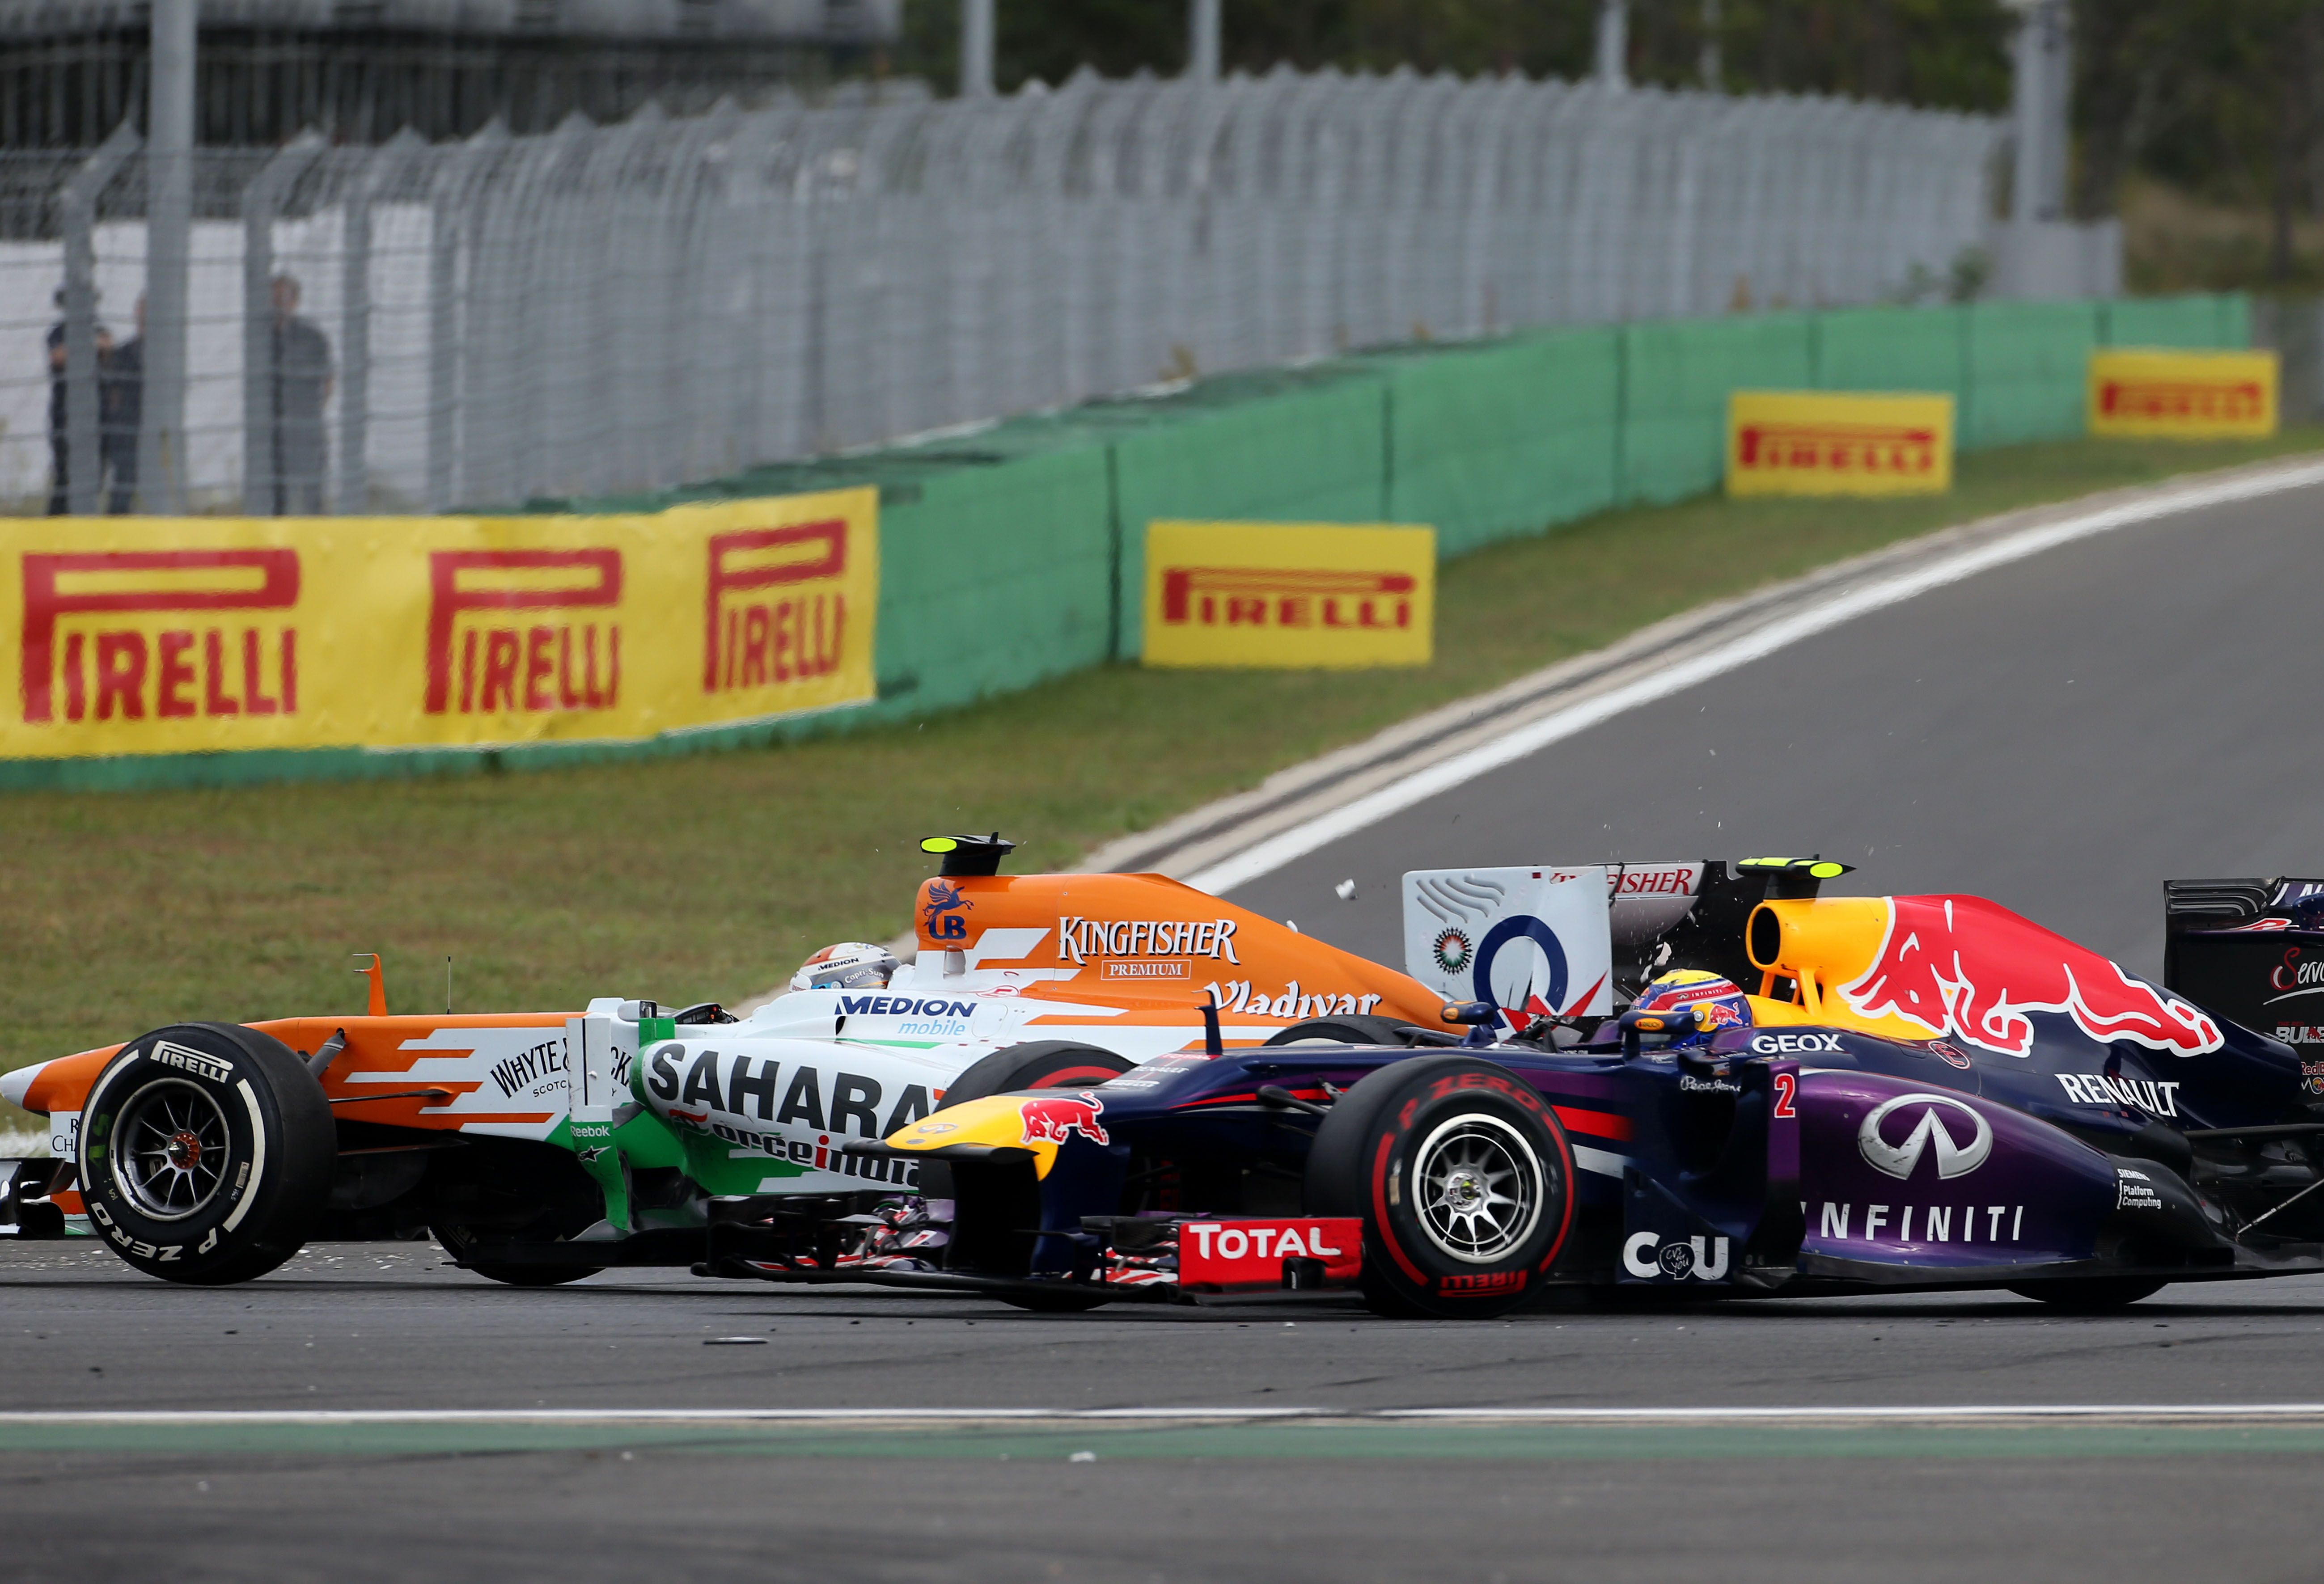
(712,876)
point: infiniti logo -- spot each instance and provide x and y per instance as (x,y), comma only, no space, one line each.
(1953,1159)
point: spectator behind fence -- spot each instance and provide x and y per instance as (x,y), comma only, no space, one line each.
(60,446)
(121,406)
(302,383)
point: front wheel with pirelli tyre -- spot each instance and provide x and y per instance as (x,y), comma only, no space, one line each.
(1463,1179)
(206,1152)
(1039,1064)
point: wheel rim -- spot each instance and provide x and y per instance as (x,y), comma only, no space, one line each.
(1478,1188)
(171,1149)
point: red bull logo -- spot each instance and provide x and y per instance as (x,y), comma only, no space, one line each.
(1050,1119)
(1965,967)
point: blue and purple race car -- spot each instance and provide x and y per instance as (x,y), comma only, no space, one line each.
(1703,1079)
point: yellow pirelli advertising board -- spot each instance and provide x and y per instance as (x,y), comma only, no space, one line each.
(1289,595)
(2151,393)
(1816,443)
(190,635)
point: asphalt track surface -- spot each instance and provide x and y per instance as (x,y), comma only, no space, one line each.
(2060,734)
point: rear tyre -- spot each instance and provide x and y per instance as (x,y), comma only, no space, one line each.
(206,1152)
(516,1190)
(1354,1028)
(2091,1297)
(1463,1179)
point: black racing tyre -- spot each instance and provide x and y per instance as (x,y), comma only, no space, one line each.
(519,1191)
(1463,1179)
(2095,1297)
(206,1152)
(1352,1029)
(1040,1063)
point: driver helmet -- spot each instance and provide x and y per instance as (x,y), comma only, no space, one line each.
(849,965)
(1686,989)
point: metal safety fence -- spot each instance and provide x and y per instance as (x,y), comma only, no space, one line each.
(626,308)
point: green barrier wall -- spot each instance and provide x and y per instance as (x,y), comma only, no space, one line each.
(2028,371)
(1313,455)
(1017,553)
(1888,349)
(1675,380)
(1505,440)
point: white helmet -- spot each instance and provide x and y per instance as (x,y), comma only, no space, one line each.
(849,965)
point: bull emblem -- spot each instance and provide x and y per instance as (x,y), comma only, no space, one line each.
(1050,1121)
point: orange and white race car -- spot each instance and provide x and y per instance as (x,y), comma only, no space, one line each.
(539,1147)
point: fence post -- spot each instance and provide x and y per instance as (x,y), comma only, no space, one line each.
(82,463)
(355,316)
(446,200)
(261,467)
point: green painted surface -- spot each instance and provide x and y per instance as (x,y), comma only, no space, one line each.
(1261,1441)
(2028,372)
(2197,322)
(1675,384)
(1312,454)
(1504,441)
(1894,349)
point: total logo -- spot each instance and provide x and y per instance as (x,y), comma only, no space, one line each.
(1934,1122)
(1645,1256)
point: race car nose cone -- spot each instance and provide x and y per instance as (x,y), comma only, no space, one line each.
(15,1086)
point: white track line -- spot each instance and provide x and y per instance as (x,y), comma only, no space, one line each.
(1844,605)
(227,1418)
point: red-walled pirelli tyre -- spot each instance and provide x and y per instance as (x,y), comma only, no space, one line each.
(1040,1063)
(206,1152)
(1464,1181)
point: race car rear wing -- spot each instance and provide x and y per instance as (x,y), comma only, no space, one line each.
(1581,940)
(2250,950)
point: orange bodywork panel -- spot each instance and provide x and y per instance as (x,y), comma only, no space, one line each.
(381,1059)
(1147,943)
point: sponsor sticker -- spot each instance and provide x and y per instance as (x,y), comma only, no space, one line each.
(1250,1254)
(1294,595)
(1803,442)
(2151,392)
(194,1061)
(1647,1257)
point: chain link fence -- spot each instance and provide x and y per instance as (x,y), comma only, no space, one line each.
(599,309)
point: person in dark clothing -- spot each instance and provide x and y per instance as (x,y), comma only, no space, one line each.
(120,408)
(60,446)
(302,384)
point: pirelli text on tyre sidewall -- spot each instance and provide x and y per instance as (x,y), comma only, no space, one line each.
(1463,1176)
(206,1152)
